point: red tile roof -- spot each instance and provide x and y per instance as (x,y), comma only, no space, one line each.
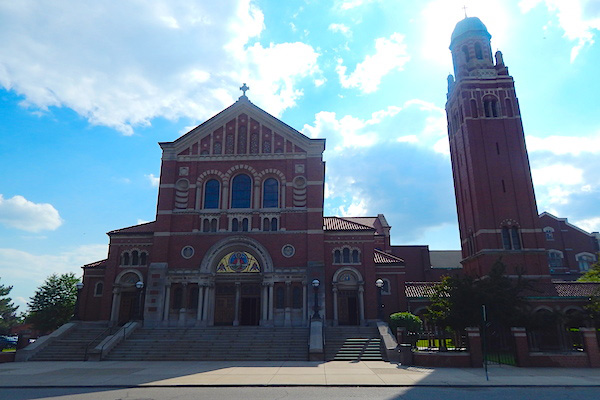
(147,227)
(381,257)
(344,224)
(97,264)
(419,289)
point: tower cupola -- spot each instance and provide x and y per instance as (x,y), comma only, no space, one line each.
(471,50)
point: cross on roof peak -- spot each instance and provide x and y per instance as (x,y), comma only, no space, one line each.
(244,89)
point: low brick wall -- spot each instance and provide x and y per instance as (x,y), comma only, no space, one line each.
(562,360)
(458,359)
(7,356)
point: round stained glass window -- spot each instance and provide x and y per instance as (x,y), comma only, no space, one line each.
(187,252)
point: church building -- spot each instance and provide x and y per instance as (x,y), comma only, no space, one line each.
(240,237)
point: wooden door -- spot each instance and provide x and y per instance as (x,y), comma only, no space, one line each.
(127,307)
(224,304)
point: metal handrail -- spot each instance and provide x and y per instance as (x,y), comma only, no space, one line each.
(103,333)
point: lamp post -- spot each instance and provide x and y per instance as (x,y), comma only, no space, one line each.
(316,284)
(139,286)
(379,284)
(75,317)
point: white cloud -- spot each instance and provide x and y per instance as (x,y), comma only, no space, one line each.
(121,64)
(350,4)
(589,225)
(557,174)
(579,19)
(18,212)
(408,139)
(562,145)
(357,208)
(390,54)
(25,271)
(340,28)
(154,180)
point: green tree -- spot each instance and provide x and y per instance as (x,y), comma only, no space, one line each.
(53,302)
(8,311)
(456,302)
(411,322)
(593,275)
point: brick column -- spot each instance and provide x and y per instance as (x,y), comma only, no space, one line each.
(475,347)
(521,346)
(590,346)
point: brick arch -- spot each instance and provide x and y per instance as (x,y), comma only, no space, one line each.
(206,174)
(272,171)
(240,168)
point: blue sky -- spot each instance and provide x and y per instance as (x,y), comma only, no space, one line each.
(88,88)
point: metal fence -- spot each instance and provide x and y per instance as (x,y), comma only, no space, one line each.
(439,340)
(555,339)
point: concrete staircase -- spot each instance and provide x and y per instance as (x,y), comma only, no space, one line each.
(72,346)
(214,343)
(353,343)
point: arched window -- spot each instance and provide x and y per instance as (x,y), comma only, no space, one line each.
(273,224)
(266,224)
(511,238)
(355,258)
(135,258)
(214,225)
(585,261)
(337,257)
(465,51)
(241,191)
(549,232)
(177,298)
(125,258)
(211,194)
(490,106)
(98,289)
(235,225)
(478,52)
(206,225)
(555,258)
(346,255)
(143,258)
(271,193)
(245,225)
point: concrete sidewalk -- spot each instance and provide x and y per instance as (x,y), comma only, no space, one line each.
(274,373)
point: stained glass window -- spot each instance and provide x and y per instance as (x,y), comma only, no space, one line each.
(241,191)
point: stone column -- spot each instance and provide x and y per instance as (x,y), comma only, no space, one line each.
(167,309)
(288,309)
(304,304)
(116,302)
(521,346)
(264,304)
(200,303)
(590,346)
(238,293)
(475,347)
(361,304)
(211,304)
(335,305)
(205,303)
(270,302)
(183,309)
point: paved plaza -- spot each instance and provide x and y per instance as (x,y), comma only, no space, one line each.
(274,373)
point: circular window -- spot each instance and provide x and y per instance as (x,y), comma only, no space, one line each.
(288,250)
(187,252)
(299,182)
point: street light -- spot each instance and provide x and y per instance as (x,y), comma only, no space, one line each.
(316,284)
(75,317)
(379,284)
(139,286)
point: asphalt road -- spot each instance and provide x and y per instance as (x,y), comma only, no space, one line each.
(326,393)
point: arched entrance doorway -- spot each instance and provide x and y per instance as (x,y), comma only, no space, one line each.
(126,297)
(348,303)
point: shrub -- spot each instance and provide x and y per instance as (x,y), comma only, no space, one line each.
(411,322)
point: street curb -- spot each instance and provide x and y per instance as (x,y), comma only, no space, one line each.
(290,385)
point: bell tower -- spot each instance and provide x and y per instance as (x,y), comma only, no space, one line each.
(496,205)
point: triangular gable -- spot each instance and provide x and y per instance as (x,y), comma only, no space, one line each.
(243,129)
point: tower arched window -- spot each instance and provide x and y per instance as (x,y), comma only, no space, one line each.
(337,257)
(271,193)
(465,51)
(355,257)
(478,52)
(511,238)
(490,106)
(235,225)
(135,258)
(241,191)
(143,258)
(211,194)
(125,260)
(346,255)
(245,225)
(474,111)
